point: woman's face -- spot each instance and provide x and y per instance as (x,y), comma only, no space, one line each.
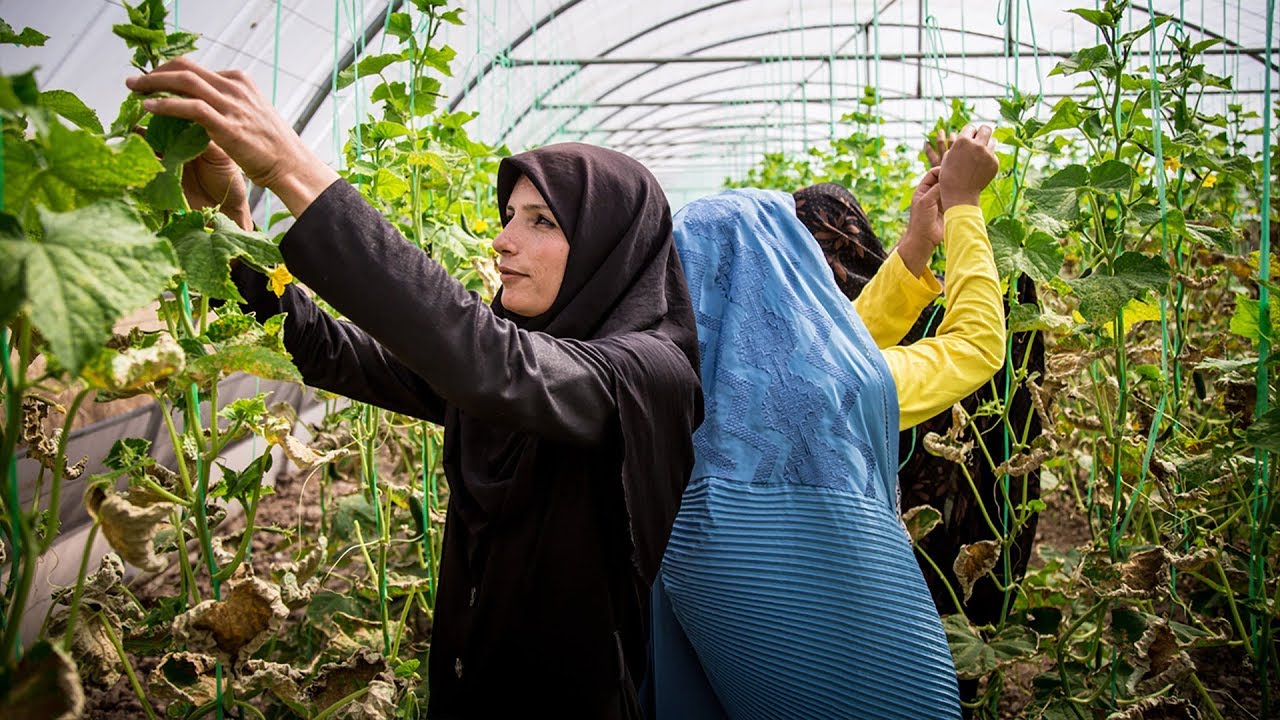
(532,252)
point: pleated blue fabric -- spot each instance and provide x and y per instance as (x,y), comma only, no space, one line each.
(789,588)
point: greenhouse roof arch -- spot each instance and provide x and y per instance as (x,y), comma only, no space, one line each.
(638,75)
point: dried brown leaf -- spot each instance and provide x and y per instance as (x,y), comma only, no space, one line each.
(45,684)
(185,676)
(235,627)
(947,448)
(1158,660)
(973,561)
(283,681)
(367,668)
(920,521)
(129,522)
(1157,708)
(43,446)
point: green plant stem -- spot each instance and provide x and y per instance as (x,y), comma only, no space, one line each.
(941,576)
(190,591)
(24,562)
(250,709)
(242,550)
(404,617)
(74,609)
(1204,694)
(329,711)
(128,669)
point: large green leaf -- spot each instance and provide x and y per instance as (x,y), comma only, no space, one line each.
(205,253)
(72,108)
(72,168)
(252,359)
(371,65)
(175,142)
(1097,57)
(94,266)
(1016,252)
(27,38)
(1059,196)
(1111,176)
(975,657)
(1102,295)
(1264,434)
(1245,320)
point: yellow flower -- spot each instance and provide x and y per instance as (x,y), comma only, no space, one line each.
(1172,164)
(480,226)
(278,278)
(1210,180)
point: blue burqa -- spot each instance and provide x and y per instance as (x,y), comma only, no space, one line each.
(789,588)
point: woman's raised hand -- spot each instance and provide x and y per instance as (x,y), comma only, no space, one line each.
(212,179)
(967,167)
(242,123)
(924,227)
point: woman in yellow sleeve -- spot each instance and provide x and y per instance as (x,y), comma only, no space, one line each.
(896,291)
(789,587)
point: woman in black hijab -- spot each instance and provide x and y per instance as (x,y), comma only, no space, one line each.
(568,405)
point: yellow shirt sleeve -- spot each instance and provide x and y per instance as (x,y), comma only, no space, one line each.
(933,374)
(890,303)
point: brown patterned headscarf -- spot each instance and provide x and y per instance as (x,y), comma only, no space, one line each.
(844,233)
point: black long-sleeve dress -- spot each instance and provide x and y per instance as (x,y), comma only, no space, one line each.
(544,579)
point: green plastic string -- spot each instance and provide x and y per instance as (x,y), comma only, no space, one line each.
(1162,194)
(912,450)
(1260,504)
(11,487)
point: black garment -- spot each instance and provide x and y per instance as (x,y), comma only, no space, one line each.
(566,449)
(843,231)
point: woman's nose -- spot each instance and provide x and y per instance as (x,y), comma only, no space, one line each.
(503,243)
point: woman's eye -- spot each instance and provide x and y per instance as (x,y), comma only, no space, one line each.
(542,220)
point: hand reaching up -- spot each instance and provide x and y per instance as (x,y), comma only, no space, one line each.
(968,166)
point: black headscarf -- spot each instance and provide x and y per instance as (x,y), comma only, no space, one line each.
(843,231)
(623,288)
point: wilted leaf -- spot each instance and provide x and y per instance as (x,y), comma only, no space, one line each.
(920,521)
(282,680)
(947,448)
(130,528)
(235,627)
(185,676)
(1158,708)
(43,447)
(1158,658)
(335,681)
(44,685)
(974,561)
(128,372)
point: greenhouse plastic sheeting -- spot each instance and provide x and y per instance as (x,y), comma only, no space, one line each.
(697,90)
